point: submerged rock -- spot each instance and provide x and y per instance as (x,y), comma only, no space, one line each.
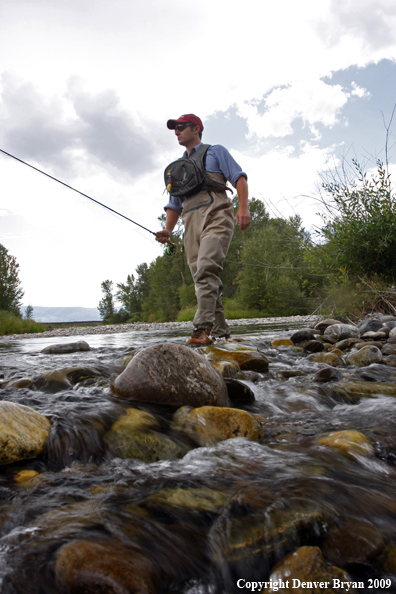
(209,425)
(63,349)
(23,432)
(247,358)
(358,541)
(92,567)
(328,374)
(170,373)
(348,442)
(134,436)
(306,566)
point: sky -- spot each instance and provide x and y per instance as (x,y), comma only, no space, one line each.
(292,89)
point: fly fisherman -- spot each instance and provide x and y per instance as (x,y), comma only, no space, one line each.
(197,188)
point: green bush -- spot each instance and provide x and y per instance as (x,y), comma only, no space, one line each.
(11,323)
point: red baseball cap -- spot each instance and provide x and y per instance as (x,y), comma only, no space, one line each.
(185,119)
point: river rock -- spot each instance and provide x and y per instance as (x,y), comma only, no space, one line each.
(170,373)
(351,392)
(226,369)
(196,498)
(255,542)
(376,335)
(389,349)
(247,358)
(386,562)
(390,324)
(282,342)
(323,324)
(208,425)
(302,335)
(307,565)
(348,442)
(23,432)
(63,349)
(328,374)
(370,325)
(392,334)
(358,541)
(103,566)
(329,358)
(51,382)
(238,392)
(133,435)
(348,343)
(364,356)
(342,331)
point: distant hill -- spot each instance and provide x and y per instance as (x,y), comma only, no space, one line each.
(64,314)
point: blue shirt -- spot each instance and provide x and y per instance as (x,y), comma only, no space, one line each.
(218,160)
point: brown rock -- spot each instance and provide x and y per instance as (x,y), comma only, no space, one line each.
(348,442)
(247,358)
(209,425)
(356,542)
(307,566)
(170,373)
(103,567)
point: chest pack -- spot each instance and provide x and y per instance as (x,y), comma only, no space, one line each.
(186,177)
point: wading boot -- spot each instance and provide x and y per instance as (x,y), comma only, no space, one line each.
(200,336)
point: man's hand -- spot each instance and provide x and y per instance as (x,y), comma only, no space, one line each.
(242,219)
(162,236)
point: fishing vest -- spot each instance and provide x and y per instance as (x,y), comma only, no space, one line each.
(186,177)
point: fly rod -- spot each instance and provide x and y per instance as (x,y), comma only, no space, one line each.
(171,247)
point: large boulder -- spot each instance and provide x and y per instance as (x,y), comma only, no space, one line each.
(170,373)
(23,432)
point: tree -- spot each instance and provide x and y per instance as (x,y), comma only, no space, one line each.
(29,312)
(360,230)
(10,292)
(106,304)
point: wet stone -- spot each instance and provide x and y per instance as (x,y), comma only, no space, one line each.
(348,343)
(96,567)
(281,342)
(342,331)
(247,358)
(306,565)
(208,425)
(321,326)
(329,374)
(348,442)
(370,325)
(23,432)
(238,392)
(70,347)
(356,542)
(169,373)
(301,336)
(364,356)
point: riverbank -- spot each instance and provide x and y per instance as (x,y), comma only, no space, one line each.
(155,326)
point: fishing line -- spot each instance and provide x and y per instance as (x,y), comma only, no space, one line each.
(78,192)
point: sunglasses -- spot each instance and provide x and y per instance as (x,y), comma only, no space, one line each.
(180,127)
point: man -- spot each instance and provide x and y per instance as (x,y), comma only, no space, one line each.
(208,219)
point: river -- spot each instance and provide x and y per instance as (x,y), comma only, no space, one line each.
(83,492)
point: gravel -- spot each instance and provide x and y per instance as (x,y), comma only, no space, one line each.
(145,327)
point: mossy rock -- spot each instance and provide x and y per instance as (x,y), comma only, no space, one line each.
(23,432)
(208,424)
(246,358)
(348,442)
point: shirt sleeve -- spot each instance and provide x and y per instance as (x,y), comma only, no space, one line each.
(174,204)
(219,160)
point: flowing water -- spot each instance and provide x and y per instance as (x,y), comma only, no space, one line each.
(83,492)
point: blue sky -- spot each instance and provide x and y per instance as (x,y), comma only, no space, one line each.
(86,89)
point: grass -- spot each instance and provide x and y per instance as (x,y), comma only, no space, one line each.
(233,311)
(14,324)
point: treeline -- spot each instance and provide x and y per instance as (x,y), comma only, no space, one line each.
(275,267)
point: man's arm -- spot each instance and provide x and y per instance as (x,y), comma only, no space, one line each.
(242,216)
(171,219)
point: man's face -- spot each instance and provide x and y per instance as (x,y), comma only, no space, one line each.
(189,136)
